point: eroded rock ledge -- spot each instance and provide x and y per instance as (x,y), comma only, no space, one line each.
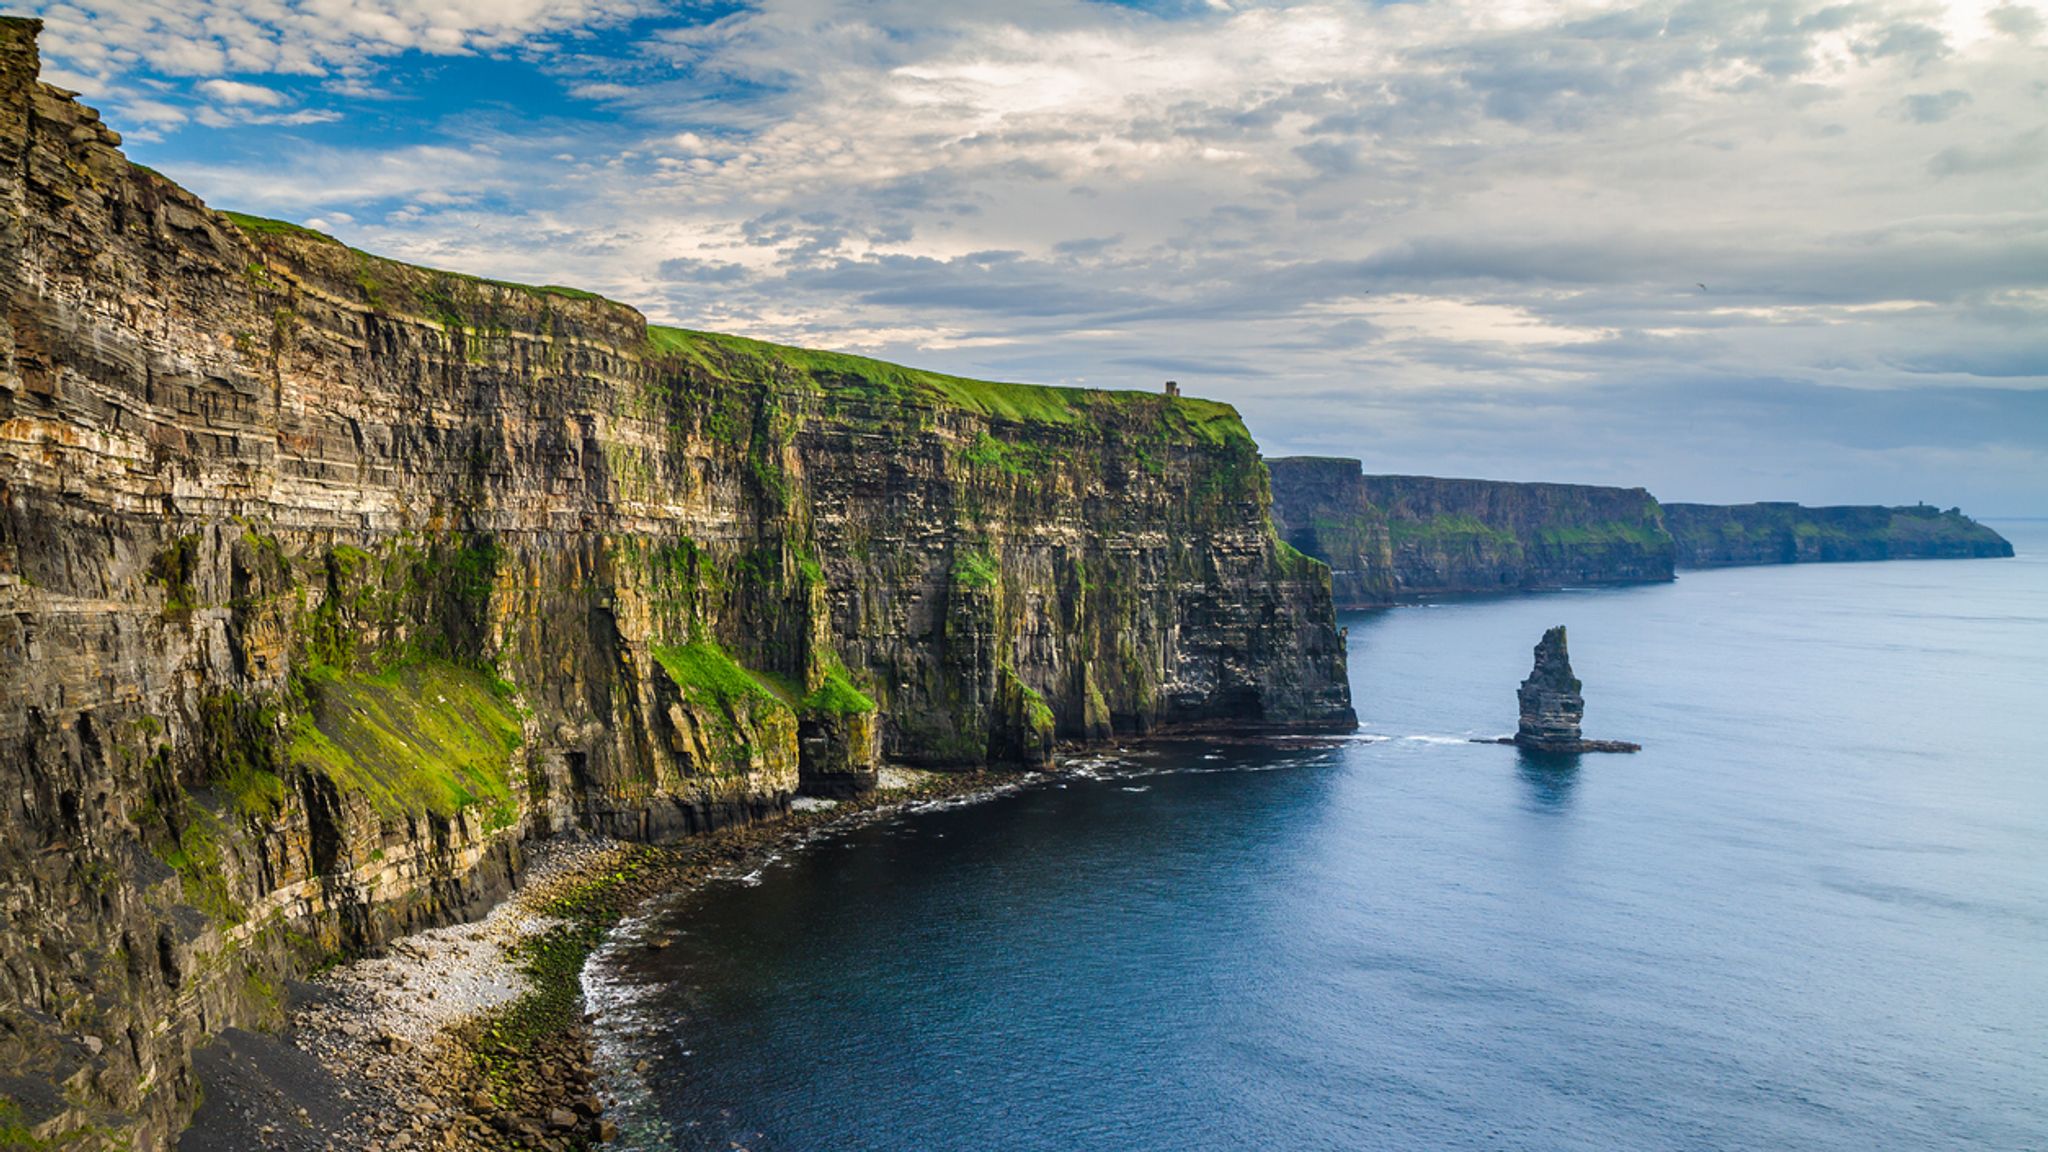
(326,582)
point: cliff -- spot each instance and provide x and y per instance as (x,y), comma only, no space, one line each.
(326,581)
(1320,506)
(1721,535)
(1388,537)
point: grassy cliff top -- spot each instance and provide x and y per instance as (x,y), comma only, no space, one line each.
(737,357)
(260,227)
(1209,421)
(1777,515)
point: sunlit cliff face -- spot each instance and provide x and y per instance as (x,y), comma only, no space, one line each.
(1727,250)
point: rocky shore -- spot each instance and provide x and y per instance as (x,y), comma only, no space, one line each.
(473,1036)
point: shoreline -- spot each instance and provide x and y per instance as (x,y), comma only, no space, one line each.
(474,1036)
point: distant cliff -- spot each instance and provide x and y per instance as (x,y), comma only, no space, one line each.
(1387,537)
(1320,506)
(1722,535)
(326,581)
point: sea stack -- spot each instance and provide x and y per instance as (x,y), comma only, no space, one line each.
(1552,705)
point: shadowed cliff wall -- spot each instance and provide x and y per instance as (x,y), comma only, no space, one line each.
(326,581)
(1722,535)
(1386,537)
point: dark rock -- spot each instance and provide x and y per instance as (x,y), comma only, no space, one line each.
(1725,535)
(1389,538)
(1551,702)
(709,572)
(1552,705)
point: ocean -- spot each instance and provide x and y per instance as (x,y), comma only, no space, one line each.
(1812,913)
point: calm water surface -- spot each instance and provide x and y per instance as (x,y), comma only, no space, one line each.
(1812,913)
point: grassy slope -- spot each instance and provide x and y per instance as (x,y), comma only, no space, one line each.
(1208,421)
(258,227)
(422,737)
(1205,421)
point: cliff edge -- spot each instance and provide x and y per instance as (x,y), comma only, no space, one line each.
(327,581)
(1392,537)
(1723,535)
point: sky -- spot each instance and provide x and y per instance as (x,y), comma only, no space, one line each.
(1727,251)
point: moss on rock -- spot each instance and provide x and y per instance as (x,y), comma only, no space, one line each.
(422,737)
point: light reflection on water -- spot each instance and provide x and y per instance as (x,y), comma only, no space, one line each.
(1809,914)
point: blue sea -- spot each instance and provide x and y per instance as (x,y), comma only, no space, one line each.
(1811,914)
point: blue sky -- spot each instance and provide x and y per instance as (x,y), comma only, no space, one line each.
(1728,251)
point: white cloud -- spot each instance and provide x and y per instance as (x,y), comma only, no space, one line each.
(315,179)
(301,37)
(1275,204)
(236,92)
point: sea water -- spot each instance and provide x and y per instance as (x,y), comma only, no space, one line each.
(1812,913)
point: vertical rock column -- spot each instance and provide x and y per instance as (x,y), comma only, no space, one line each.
(18,64)
(1551,704)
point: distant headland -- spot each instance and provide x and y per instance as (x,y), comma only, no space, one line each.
(1393,538)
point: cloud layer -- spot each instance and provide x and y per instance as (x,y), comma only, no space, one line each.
(1728,250)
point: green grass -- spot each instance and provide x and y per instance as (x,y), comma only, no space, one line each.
(1037,713)
(14,1131)
(1448,530)
(256,793)
(704,672)
(265,226)
(174,568)
(1294,563)
(259,227)
(1605,532)
(992,454)
(422,737)
(838,697)
(733,706)
(1207,421)
(974,568)
(197,861)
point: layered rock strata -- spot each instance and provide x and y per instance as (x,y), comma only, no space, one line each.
(1392,537)
(1320,506)
(1552,705)
(1723,535)
(326,581)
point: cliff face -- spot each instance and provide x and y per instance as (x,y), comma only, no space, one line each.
(1721,535)
(326,580)
(1485,535)
(1320,506)
(1398,536)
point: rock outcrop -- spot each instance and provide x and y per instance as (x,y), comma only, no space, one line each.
(1321,507)
(1723,535)
(1552,706)
(1388,538)
(326,581)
